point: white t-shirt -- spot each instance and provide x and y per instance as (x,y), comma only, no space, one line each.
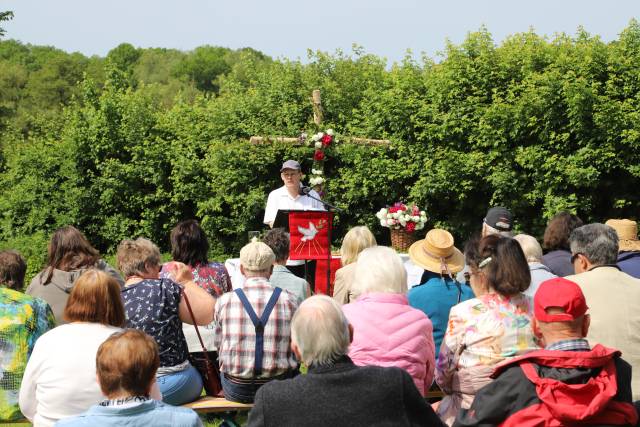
(280,199)
(60,378)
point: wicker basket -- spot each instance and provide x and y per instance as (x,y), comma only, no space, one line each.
(401,240)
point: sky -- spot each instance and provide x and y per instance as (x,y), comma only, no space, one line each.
(287,28)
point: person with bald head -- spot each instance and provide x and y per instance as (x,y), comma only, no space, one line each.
(336,392)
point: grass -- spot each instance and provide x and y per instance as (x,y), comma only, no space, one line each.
(216,420)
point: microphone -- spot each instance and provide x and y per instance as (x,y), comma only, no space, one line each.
(305,191)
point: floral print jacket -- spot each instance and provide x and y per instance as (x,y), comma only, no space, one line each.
(481,333)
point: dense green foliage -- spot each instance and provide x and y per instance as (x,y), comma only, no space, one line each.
(151,136)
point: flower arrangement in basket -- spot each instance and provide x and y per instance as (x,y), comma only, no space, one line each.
(320,142)
(403,221)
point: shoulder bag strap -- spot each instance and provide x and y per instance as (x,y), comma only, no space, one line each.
(193,318)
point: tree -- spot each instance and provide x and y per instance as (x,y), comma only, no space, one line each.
(203,66)
(5,16)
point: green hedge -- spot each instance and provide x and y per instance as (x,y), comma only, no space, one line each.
(537,125)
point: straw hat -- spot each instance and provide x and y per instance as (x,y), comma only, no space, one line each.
(627,233)
(435,250)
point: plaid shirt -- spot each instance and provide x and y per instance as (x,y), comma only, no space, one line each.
(235,333)
(579,344)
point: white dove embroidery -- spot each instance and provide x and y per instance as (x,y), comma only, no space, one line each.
(308,233)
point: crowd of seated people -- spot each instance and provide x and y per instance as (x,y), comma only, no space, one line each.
(517,338)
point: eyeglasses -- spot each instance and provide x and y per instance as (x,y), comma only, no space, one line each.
(575,256)
(289,174)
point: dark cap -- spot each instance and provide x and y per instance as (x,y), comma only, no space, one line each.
(290,164)
(562,293)
(499,218)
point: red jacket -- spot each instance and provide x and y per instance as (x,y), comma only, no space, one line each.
(556,388)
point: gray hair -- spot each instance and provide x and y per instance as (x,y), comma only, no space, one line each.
(488,230)
(320,330)
(136,256)
(379,269)
(597,242)
(530,246)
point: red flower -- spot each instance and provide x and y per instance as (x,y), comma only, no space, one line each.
(415,211)
(326,140)
(318,156)
(410,227)
(393,209)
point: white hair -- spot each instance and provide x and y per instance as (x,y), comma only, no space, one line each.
(530,246)
(379,269)
(320,330)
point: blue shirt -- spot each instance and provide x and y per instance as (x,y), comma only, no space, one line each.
(435,298)
(150,413)
(629,262)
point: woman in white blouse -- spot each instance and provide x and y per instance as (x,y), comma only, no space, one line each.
(60,378)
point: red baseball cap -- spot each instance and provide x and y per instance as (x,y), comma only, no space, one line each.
(562,293)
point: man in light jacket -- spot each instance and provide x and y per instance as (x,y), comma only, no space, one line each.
(613,296)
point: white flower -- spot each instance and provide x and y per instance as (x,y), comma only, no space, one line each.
(383,223)
(384,211)
(390,216)
(319,135)
(423,213)
(330,132)
(315,137)
(316,171)
(316,180)
(419,226)
(303,135)
(403,222)
(396,215)
(318,145)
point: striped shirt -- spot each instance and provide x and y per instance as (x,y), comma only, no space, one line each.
(235,333)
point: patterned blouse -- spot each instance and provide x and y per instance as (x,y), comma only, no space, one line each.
(212,277)
(22,320)
(484,331)
(151,305)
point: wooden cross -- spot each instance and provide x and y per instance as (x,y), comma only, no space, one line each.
(318,116)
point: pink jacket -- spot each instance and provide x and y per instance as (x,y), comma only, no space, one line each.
(388,332)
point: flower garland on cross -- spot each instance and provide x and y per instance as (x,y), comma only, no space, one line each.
(320,142)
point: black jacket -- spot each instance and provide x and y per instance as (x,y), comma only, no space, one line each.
(343,395)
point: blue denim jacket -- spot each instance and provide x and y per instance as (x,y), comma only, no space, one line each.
(150,413)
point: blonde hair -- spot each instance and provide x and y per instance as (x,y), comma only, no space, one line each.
(379,269)
(135,256)
(530,246)
(320,330)
(355,241)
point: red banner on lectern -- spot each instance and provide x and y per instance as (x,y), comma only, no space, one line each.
(309,234)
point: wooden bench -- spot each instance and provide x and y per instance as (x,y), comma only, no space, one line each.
(434,394)
(208,405)
(21,422)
